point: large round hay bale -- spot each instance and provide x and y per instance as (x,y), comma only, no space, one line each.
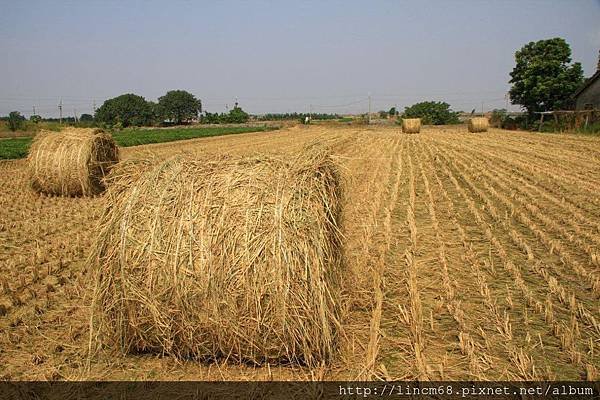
(478,124)
(235,258)
(411,125)
(72,162)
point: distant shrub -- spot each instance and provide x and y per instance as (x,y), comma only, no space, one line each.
(237,116)
(591,128)
(15,121)
(296,116)
(234,116)
(498,117)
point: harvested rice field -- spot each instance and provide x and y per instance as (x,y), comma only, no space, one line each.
(464,256)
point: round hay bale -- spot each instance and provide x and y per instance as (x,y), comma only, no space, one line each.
(72,162)
(478,124)
(411,125)
(236,258)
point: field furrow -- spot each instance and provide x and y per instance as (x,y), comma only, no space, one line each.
(574,230)
(549,180)
(524,280)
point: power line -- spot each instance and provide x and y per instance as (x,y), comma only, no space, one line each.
(372,100)
(72,99)
(342,105)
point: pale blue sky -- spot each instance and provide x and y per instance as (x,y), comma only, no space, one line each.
(278,56)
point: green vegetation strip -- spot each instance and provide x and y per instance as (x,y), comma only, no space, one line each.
(18,147)
(14,148)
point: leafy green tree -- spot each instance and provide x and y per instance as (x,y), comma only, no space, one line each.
(125,110)
(237,115)
(544,78)
(393,112)
(35,118)
(179,106)
(432,113)
(86,118)
(15,121)
(234,116)
(211,118)
(157,111)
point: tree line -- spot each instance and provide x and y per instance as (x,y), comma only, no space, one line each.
(296,116)
(544,78)
(176,107)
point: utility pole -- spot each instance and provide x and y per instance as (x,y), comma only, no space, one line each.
(310,112)
(482,108)
(60,110)
(75,114)
(34,111)
(369,115)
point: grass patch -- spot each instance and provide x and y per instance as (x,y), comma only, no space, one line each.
(18,147)
(28,128)
(14,148)
(136,137)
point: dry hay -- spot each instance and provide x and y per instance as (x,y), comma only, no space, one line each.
(235,258)
(72,162)
(411,125)
(478,124)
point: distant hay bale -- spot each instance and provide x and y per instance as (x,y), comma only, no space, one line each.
(72,162)
(237,259)
(411,125)
(478,124)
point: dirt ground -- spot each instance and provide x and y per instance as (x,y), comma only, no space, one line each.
(468,256)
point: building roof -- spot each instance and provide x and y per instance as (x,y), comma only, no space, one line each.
(587,83)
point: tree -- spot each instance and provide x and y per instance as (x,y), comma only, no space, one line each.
(432,113)
(35,118)
(125,110)
(393,112)
(179,106)
(543,78)
(86,118)
(15,121)
(211,118)
(383,114)
(237,115)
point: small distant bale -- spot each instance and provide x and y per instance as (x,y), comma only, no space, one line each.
(479,124)
(72,162)
(236,259)
(411,125)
